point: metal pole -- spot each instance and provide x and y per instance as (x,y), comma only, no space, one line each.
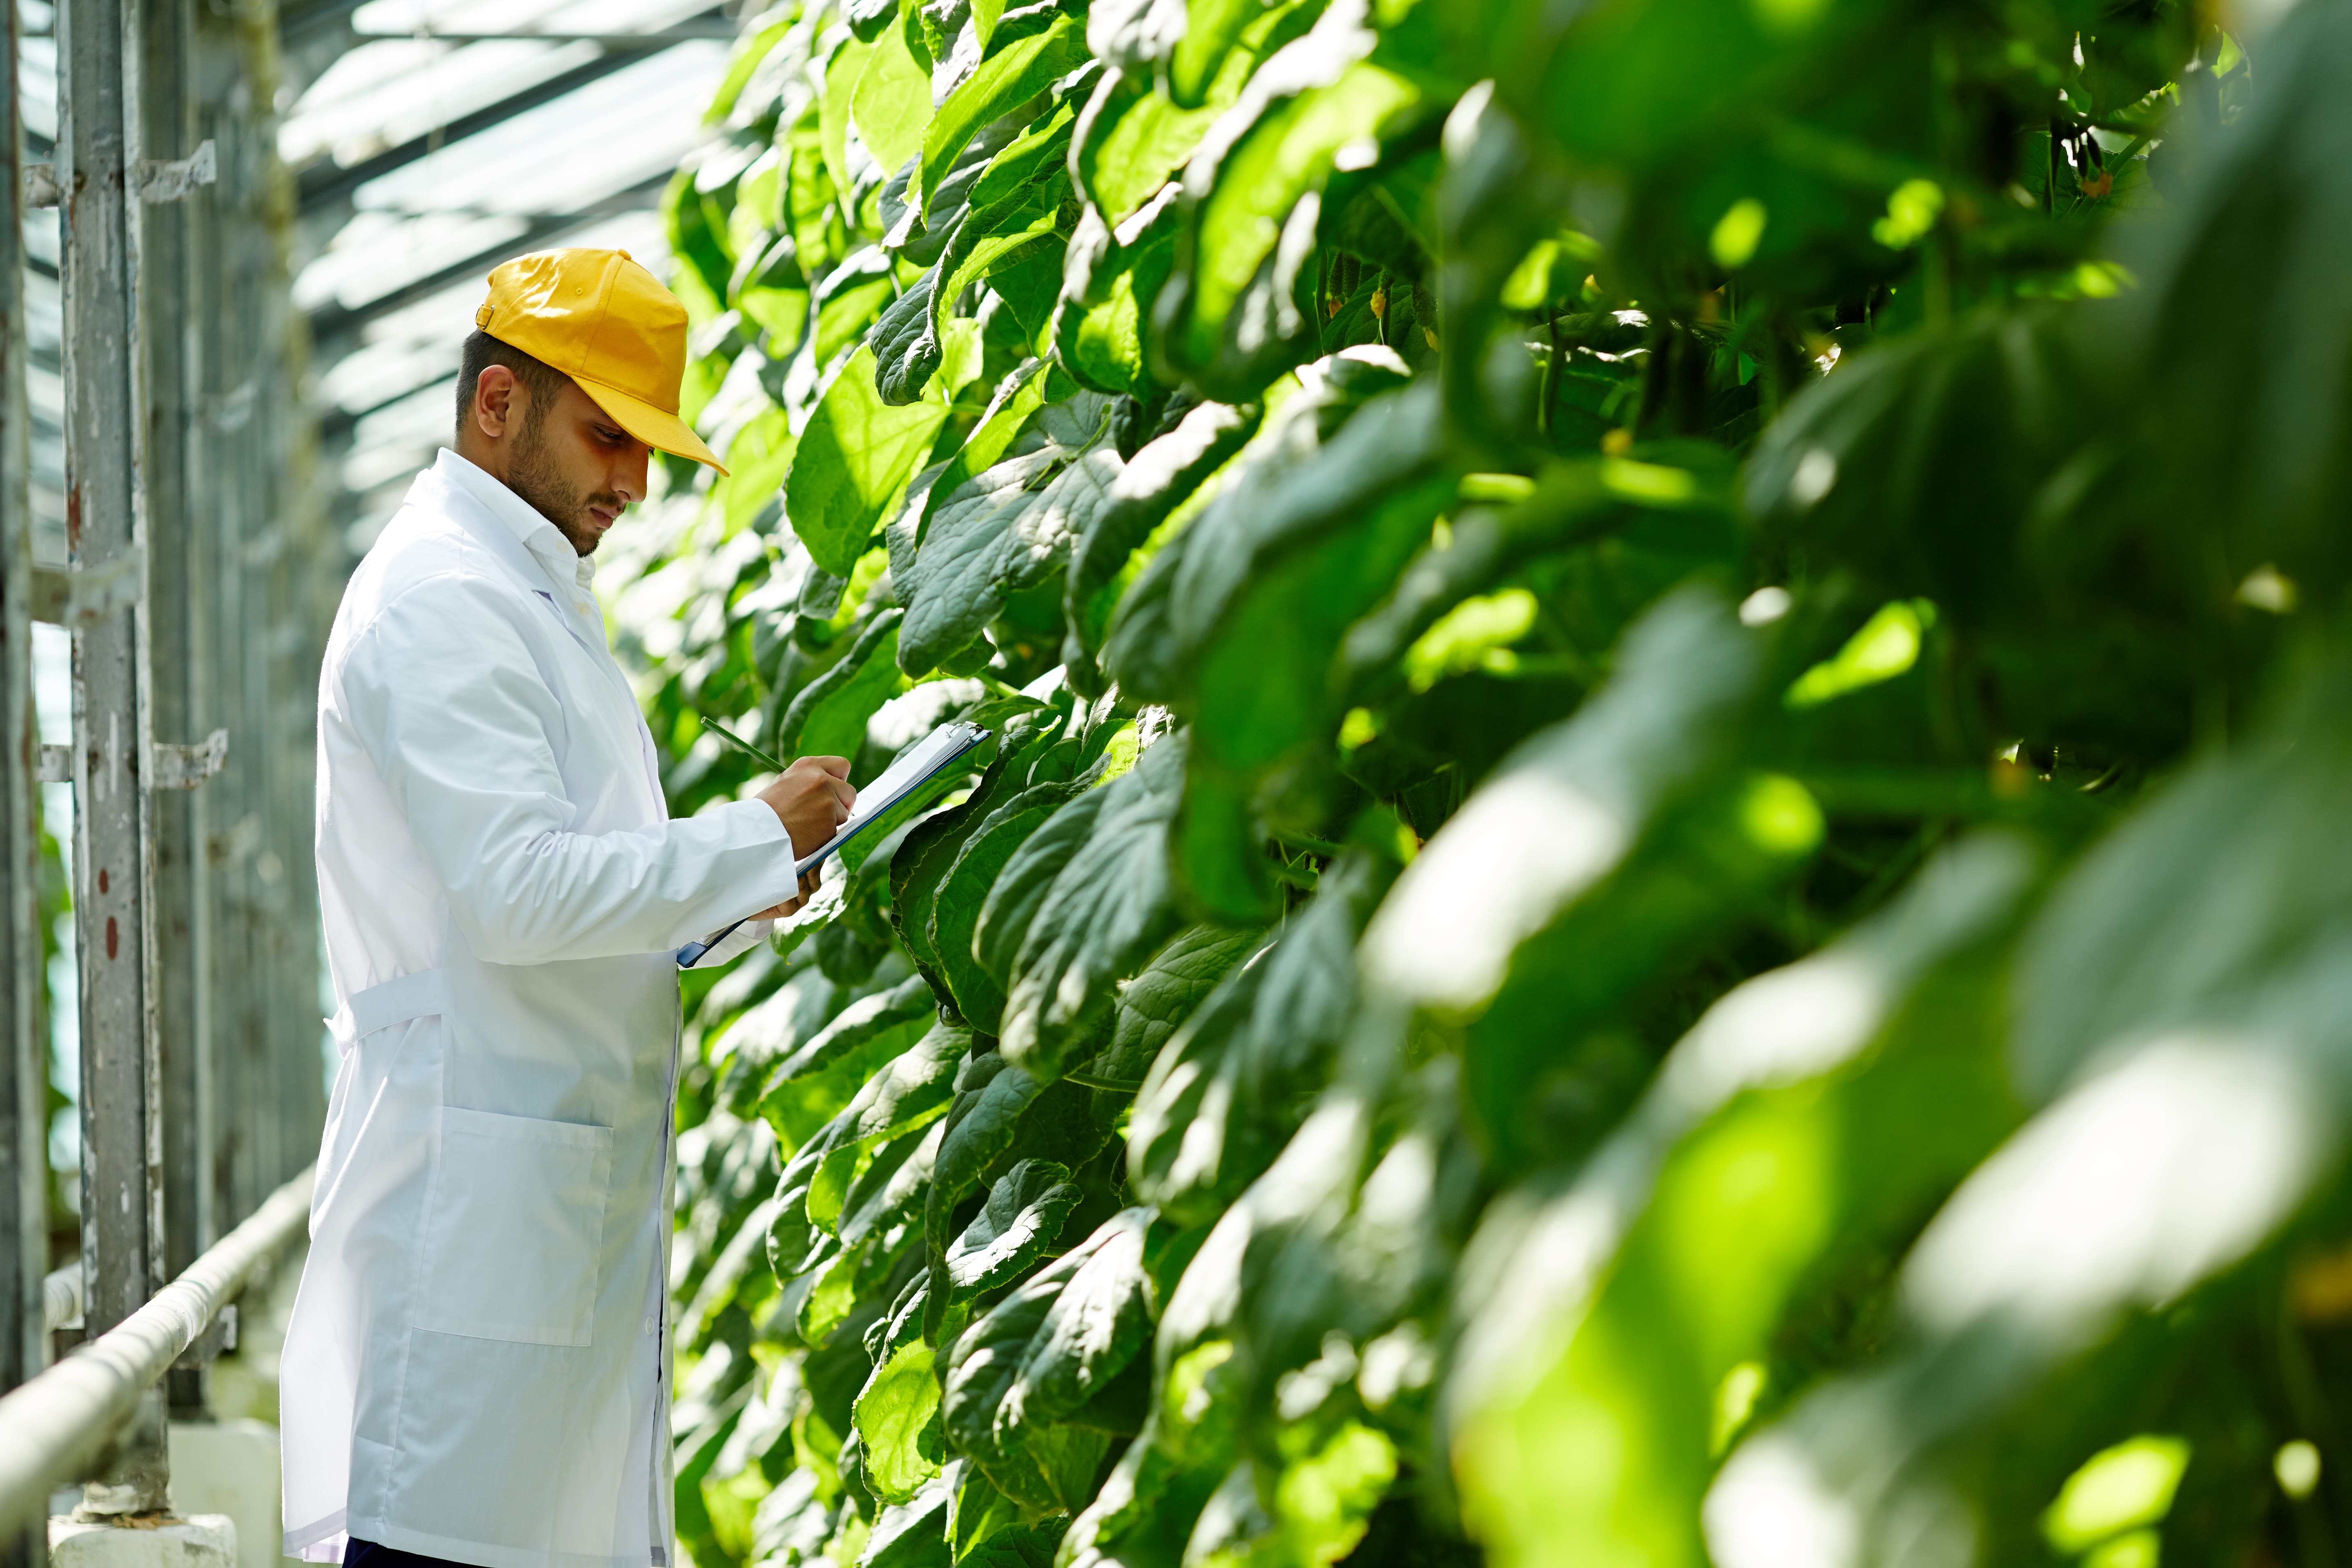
(122,1146)
(219,419)
(290,560)
(176,667)
(24,1075)
(233,416)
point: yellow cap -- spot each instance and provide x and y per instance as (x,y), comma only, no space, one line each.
(608,324)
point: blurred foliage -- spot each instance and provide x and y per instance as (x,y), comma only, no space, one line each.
(1660,877)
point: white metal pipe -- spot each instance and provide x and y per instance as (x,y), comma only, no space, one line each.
(54,1427)
(61,1298)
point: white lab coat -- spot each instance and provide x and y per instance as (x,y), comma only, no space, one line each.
(475,1367)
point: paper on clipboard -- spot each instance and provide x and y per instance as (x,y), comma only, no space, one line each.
(914,768)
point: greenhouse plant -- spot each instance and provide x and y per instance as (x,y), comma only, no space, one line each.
(1671,761)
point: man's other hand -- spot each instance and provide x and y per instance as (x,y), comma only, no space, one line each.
(811,798)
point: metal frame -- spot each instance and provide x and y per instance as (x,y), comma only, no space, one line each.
(23,1064)
(196,592)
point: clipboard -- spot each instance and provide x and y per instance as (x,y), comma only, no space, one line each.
(915,767)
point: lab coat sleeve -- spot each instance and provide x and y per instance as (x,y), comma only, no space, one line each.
(445,696)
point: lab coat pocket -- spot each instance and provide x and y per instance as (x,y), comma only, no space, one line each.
(513,1227)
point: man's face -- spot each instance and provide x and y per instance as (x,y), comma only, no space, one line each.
(578,469)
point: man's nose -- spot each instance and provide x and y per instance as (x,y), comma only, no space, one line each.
(628,477)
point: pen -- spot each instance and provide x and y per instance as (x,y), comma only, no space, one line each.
(733,738)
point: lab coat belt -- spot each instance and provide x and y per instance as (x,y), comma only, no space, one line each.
(420,995)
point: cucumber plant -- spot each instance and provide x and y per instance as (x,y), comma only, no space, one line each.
(1658,877)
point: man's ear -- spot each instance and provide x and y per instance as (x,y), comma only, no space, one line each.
(499,401)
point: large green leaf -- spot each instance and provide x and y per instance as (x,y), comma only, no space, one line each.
(921,865)
(1051,827)
(828,718)
(854,458)
(912,1534)
(1109,278)
(1961,427)
(1157,1001)
(907,350)
(1106,907)
(757,460)
(857,1040)
(1316,1508)
(1005,529)
(965,890)
(2244,430)
(1022,228)
(1222,1093)
(996,1106)
(1178,599)
(908,1092)
(1162,475)
(1608,852)
(1055,1341)
(1012,406)
(1023,1215)
(1768,1145)
(892,101)
(848,300)
(1029,47)
(1131,141)
(2185,1141)
(1254,191)
(896,1412)
(1636,83)
(2233,874)
(1564,812)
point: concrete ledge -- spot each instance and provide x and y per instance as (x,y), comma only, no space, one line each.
(231,1467)
(205,1541)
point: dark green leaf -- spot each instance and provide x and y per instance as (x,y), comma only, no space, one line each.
(1162,477)
(1154,1005)
(1061,1336)
(964,891)
(858,1040)
(828,718)
(1023,1215)
(1108,906)
(1005,529)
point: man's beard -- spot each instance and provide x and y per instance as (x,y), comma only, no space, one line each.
(532,475)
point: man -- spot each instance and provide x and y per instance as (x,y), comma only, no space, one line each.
(475,1369)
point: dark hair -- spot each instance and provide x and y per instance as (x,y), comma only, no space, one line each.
(483,351)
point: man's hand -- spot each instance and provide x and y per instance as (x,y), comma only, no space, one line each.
(811,798)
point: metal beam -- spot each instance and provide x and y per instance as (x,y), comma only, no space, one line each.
(714,27)
(23,1060)
(324,182)
(176,673)
(332,330)
(121,1130)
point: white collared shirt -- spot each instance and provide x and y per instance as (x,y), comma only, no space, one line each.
(565,566)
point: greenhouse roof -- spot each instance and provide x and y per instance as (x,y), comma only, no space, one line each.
(431,140)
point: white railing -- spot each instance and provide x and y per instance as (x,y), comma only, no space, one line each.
(54,1427)
(61,1299)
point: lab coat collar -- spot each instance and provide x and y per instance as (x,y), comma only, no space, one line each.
(512,529)
(545,542)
